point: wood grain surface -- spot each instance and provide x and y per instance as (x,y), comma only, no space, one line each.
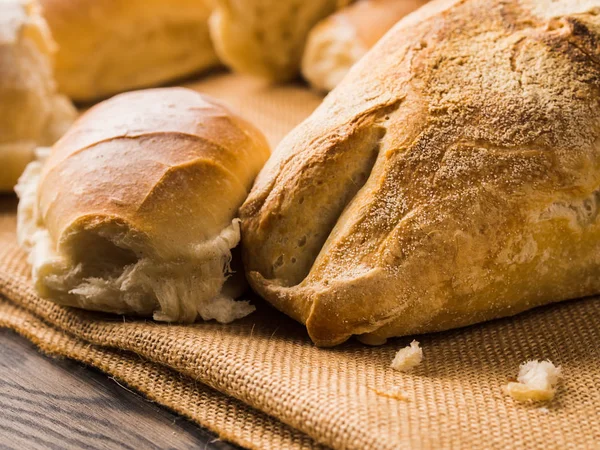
(49,403)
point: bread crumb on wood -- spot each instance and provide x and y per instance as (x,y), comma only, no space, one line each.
(408,358)
(536,382)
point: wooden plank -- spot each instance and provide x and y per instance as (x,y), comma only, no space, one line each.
(48,403)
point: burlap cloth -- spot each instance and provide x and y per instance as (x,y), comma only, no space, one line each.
(261,383)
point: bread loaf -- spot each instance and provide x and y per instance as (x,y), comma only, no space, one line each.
(266,37)
(110,46)
(338,41)
(134,211)
(31,111)
(453,177)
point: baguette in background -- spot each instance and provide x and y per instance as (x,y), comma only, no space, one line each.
(111,46)
(32,113)
(266,38)
(338,41)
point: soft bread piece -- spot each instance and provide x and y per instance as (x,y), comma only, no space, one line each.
(453,177)
(110,46)
(134,210)
(338,41)
(408,358)
(266,37)
(31,112)
(536,382)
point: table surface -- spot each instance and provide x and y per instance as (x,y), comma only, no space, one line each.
(50,403)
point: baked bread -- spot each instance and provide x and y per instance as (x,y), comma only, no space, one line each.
(451,178)
(134,210)
(110,46)
(266,37)
(31,112)
(341,39)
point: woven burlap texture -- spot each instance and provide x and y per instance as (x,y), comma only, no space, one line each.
(280,390)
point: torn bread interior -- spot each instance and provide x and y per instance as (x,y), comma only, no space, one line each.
(134,209)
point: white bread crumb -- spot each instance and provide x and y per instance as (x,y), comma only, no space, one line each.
(536,382)
(408,357)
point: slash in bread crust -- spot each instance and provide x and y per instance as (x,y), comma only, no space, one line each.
(453,177)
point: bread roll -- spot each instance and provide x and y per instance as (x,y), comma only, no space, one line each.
(452,177)
(266,37)
(110,46)
(134,210)
(338,41)
(31,112)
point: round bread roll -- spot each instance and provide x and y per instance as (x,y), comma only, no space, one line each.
(266,37)
(31,112)
(110,46)
(341,39)
(134,209)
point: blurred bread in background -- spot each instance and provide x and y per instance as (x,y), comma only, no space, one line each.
(338,41)
(110,46)
(31,112)
(266,37)
(134,210)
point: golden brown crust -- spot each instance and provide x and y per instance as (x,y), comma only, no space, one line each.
(109,46)
(483,120)
(133,158)
(135,209)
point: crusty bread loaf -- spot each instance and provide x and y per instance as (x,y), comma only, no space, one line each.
(266,37)
(110,46)
(451,178)
(338,41)
(134,211)
(31,112)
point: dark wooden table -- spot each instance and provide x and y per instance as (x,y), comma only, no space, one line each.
(48,403)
